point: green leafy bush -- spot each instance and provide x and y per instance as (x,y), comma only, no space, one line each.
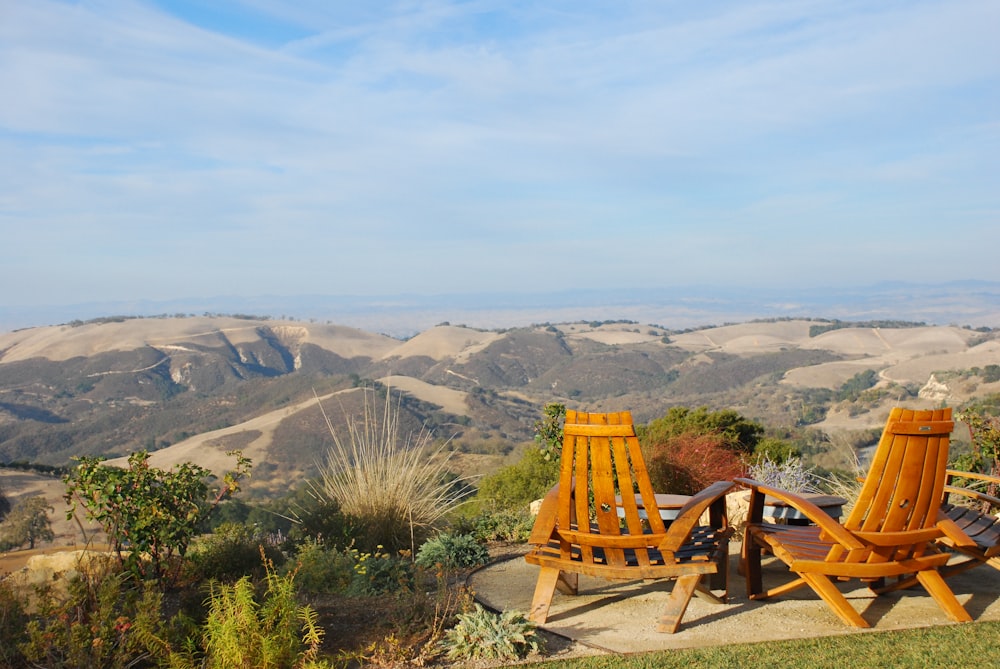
(734,431)
(321,569)
(514,487)
(150,515)
(102,620)
(482,635)
(512,525)
(549,431)
(378,573)
(231,552)
(452,552)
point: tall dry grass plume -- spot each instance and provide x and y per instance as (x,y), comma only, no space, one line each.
(395,487)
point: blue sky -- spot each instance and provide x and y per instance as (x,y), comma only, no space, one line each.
(156,149)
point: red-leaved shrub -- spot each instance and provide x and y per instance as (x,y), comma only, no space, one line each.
(689,462)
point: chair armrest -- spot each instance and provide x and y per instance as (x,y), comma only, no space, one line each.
(973,494)
(689,515)
(545,522)
(830,527)
(977,495)
(952,531)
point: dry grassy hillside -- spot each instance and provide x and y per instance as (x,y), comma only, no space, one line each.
(192,388)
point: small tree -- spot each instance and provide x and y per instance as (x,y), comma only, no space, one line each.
(150,515)
(4,504)
(984,431)
(549,431)
(27,523)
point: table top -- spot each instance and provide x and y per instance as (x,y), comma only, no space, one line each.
(820,500)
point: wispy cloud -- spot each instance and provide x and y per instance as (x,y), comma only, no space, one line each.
(262,145)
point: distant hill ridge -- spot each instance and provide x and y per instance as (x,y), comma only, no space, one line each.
(197,386)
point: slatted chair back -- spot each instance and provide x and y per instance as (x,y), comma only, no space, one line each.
(901,494)
(602,520)
(602,469)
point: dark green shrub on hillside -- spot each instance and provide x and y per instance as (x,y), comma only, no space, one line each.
(736,432)
(232,552)
(857,384)
(517,485)
(320,569)
(775,450)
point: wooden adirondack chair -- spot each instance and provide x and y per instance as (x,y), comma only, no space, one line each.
(982,526)
(978,518)
(890,532)
(591,522)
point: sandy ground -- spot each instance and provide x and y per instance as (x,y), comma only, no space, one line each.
(620,617)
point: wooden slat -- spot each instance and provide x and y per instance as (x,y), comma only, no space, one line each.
(922,428)
(597,430)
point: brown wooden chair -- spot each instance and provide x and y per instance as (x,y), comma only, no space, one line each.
(891,531)
(586,525)
(977,517)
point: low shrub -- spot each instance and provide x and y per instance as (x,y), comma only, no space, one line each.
(378,573)
(452,552)
(241,632)
(690,462)
(230,553)
(13,626)
(790,475)
(512,525)
(322,570)
(514,487)
(482,635)
(102,620)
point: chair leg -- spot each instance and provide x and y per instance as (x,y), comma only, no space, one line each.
(720,579)
(548,578)
(750,563)
(680,597)
(942,594)
(829,593)
(568,583)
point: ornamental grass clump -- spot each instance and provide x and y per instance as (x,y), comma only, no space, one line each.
(394,488)
(791,475)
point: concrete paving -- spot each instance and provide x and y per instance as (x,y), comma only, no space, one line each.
(620,617)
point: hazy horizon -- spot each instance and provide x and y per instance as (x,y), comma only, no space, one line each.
(974,304)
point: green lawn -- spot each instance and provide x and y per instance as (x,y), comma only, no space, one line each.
(973,645)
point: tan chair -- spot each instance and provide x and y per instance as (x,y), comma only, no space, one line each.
(891,531)
(586,526)
(978,518)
